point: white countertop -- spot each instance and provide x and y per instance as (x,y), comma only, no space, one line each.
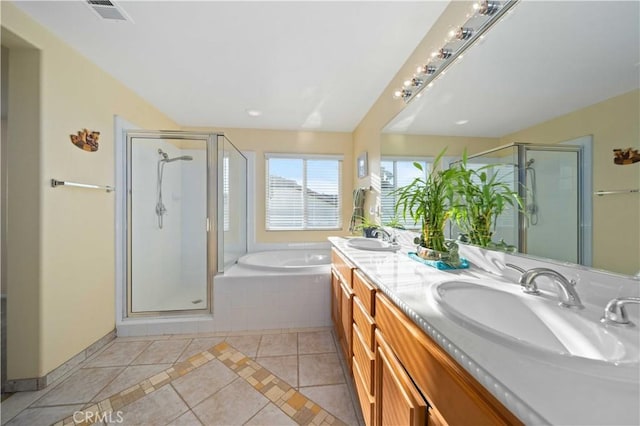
(566,391)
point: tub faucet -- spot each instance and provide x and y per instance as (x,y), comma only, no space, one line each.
(616,313)
(567,293)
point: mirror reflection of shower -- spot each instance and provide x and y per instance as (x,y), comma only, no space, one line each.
(532,207)
(161,210)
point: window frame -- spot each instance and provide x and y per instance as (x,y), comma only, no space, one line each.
(339,158)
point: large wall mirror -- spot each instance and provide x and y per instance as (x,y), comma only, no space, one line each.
(561,74)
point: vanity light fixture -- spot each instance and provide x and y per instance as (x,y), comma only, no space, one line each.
(485,14)
(463,33)
(444,53)
(404,94)
(414,82)
(426,69)
(488,7)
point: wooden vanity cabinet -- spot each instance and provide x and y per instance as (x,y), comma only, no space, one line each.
(401,376)
(342,301)
(363,344)
(453,395)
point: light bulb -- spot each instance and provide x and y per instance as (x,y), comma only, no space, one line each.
(427,69)
(488,7)
(464,33)
(445,53)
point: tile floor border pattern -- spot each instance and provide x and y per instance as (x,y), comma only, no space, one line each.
(293,403)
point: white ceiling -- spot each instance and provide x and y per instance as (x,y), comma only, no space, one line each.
(544,60)
(305,65)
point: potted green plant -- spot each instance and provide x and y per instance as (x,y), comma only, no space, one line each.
(367,227)
(429,201)
(394,222)
(480,198)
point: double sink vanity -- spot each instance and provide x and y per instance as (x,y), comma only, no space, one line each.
(510,340)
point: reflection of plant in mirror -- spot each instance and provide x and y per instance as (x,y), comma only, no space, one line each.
(429,201)
(366,226)
(481,197)
(394,222)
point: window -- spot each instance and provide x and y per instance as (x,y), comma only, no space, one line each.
(225,192)
(396,173)
(303,192)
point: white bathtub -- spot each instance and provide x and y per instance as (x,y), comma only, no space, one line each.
(278,289)
(287,260)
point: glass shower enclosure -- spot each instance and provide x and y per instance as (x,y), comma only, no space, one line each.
(186,219)
(550,180)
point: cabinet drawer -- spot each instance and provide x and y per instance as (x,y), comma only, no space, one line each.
(450,389)
(365,323)
(399,402)
(342,266)
(346,321)
(365,291)
(364,358)
(336,313)
(367,402)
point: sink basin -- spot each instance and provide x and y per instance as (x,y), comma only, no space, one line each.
(535,324)
(374,244)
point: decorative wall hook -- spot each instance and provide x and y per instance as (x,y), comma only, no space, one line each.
(626,156)
(86,140)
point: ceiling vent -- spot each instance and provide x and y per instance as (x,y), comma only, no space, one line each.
(108,10)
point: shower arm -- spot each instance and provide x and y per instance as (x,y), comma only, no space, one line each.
(161,210)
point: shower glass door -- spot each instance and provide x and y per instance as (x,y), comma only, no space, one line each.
(168,222)
(552,202)
(549,180)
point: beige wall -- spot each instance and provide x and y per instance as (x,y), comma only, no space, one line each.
(23,213)
(613,123)
(74,299)
(430,146)
(266,141)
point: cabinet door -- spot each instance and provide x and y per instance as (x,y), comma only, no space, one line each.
(398,402)
(336,314)
(346,313)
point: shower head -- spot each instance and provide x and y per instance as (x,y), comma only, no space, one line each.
(183,157)
(530,162)
(163,154)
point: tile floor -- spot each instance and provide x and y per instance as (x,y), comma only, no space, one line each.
(271,378)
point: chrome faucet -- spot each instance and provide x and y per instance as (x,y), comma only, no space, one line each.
(384,235)
(616,313)
(567,293)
